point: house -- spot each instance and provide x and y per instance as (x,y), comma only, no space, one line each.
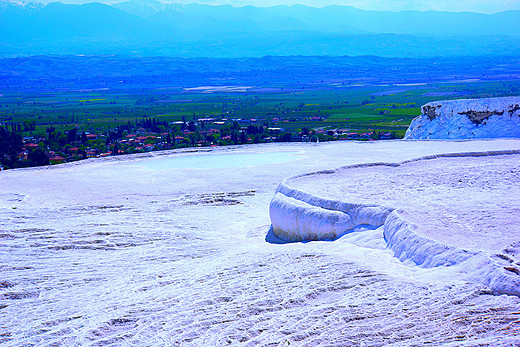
(31,145)
(56,159)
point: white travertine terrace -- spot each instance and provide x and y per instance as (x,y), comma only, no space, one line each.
(328,204)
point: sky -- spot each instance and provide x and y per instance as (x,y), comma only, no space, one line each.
(482,6)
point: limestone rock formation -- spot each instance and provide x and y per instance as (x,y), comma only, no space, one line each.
(467,119)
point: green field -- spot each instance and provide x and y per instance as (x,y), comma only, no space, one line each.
(353,108)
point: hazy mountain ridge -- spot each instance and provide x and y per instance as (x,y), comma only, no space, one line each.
(333,18)
(151,27)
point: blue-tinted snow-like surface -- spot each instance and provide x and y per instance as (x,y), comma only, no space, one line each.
(219,161)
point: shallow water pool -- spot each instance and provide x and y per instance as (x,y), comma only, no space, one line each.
(218,161)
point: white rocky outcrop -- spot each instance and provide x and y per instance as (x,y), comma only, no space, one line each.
(467,119)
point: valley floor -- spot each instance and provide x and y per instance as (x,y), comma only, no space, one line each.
(127,252)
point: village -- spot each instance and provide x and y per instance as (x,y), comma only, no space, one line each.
(149,134)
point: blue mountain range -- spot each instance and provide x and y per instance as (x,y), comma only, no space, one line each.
(153,28)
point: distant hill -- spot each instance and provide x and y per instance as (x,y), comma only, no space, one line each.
(149,27)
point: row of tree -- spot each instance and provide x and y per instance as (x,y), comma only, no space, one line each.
(11,143)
